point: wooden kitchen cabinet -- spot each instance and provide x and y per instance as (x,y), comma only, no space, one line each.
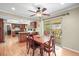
(1,30)
(22,27)
(22,36)
(13,30)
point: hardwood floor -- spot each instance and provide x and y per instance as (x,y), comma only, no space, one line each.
(12,47)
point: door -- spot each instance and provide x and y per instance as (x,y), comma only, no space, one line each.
(54,26)
(1,30)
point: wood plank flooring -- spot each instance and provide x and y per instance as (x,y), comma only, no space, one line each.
(12,47)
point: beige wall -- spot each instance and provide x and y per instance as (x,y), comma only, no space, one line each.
(70,30)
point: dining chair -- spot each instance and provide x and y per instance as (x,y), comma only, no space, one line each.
(32,44)
(28,42)
(49,46)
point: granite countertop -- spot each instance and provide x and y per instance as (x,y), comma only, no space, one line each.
(23,32)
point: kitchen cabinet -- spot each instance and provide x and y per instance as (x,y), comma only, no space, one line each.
(22,36)
(1,30)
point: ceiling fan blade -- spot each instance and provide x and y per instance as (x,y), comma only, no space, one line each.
(44,9)
(32,15)
(47,14)
(32,11)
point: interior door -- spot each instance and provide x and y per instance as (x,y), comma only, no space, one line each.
(1,30)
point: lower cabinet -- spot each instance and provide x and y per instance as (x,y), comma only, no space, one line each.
(22,37)
(1,30)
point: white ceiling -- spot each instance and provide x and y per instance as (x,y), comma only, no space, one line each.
(22,8)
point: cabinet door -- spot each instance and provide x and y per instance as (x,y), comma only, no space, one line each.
(22,37)
(22,27)
(1,30)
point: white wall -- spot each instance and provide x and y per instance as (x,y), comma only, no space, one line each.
(70,30)
(40,27)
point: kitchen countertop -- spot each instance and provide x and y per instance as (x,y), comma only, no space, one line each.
(23,32)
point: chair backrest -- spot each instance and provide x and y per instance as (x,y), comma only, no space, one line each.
(52,41)
(50,46)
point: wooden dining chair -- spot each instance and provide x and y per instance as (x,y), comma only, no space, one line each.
(49,46)
(32,44)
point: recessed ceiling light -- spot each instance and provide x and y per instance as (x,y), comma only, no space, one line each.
(35,4)
(62,3)
(13,8)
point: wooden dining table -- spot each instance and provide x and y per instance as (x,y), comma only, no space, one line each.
(40,40)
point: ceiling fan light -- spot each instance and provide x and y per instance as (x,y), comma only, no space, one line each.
(39,14)
(13,8)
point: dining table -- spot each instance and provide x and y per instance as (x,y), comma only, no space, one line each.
(41,40)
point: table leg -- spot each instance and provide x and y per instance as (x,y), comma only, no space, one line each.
(41,49)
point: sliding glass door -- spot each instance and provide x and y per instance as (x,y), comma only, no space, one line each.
(53,26)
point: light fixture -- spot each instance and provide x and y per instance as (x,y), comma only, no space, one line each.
(13,8)
(39,14)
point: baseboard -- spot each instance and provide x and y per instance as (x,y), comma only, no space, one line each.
(76,51)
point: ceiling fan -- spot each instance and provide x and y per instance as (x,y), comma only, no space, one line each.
(39,12)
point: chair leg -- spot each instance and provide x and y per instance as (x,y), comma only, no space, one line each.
(41,52)
(27,44)
(55,53)
(28,50)
(33,52)
(33,48)
(28,47)
(49,53)
(41,49)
